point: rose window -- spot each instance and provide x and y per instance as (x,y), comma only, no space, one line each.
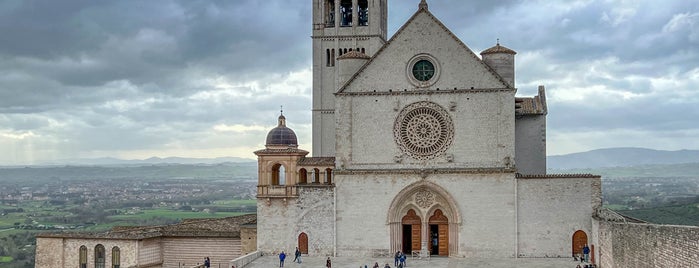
(423,130)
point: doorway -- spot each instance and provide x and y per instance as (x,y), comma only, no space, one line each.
(303,243)
(439,234)
(411,233)
(579,241)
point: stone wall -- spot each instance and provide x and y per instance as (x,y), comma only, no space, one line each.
(530,144)
(483,211)
(191,251)
(648,245)
(550,208)
(248,239)
(65,252)
(280,221)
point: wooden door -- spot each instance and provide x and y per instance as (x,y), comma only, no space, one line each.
(412,219)
(579,241)
(443,235)
(439,219)
(303,243)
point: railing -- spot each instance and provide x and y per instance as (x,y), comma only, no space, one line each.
(241,261)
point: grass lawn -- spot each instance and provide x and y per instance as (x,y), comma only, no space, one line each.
(173,214)
(5,259)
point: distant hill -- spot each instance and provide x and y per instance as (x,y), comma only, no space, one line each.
(109,161)
(621,157)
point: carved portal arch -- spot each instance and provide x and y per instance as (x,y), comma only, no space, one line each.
(424,199)
(406,199)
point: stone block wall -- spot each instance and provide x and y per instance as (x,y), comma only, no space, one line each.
(551,208)
(65,252)
(648,245)
(248,239)
(192,250)
(280,221)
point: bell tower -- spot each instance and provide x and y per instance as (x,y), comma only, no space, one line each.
(340,26)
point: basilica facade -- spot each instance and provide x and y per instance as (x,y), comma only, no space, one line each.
(420,145)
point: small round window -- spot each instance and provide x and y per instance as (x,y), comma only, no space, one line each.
(423,70)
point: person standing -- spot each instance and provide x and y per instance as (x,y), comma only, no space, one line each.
(297,255)
(586,253)
(328,264)
(402,260)
(207,262)
(396,258)
(282,256)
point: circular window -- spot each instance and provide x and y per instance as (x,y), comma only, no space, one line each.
(423,70)
(423,130)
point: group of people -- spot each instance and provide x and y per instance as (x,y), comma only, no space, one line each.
(399,259)
(297,258)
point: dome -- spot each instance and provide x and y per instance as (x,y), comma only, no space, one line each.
(281,135)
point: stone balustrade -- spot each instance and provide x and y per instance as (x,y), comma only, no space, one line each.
(241,261)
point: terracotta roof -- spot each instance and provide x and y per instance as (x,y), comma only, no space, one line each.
(317,161)
(353,55)
(498,49)
(221,227)
(532,105)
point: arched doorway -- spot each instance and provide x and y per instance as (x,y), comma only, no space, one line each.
(411,232)
(579,241)
(424,198)
(439,234)
(303,243)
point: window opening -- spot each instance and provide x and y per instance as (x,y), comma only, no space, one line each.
(363,13)
(99,256)
(83,257)
(327,57)
(332,54)
(303,176)
(278,176)
(346,13)
(330,13)
(328,176)
(116,257)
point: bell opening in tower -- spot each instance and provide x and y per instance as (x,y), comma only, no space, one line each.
(346,13)
(330,13)
(363,13)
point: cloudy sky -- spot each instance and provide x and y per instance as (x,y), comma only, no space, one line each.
(135,79)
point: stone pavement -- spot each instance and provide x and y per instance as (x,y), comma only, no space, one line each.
(350,262)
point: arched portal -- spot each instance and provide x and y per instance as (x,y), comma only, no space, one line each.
(303,243)
(579,241)
(427,200)
(412,233)
(439,234)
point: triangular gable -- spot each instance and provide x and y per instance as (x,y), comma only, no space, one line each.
(423,33)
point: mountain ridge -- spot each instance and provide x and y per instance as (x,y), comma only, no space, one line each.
(621,157)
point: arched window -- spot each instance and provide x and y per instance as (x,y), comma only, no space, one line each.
(316,175)
(99,256)
(332,57)
(363,13)
(328,176)
(278,174)
(116,257)
(83,257)
(327,57)
(363,51)
(303,179)
(346,13)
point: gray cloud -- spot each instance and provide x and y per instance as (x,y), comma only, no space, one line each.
(206,78)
